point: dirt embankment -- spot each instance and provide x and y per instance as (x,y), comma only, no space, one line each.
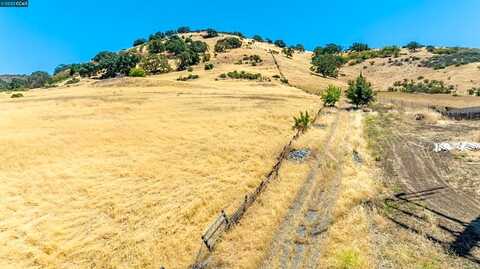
(434,193)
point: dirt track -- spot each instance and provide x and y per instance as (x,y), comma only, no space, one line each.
(434,183)
(299,238)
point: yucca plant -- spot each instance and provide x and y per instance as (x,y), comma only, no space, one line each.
(302,122)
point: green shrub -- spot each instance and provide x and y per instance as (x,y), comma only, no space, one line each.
(299,48)
(139,42)
(242,75)
(280,43)
(156,46)
(227,43)
(425,86)
(155,64)
(474,91)
(183,29)
(209,66)
(16,95)
(189,77)
(198,46)
(190,69)
(136,72)
(257,38)
(360,92)
(157,35)
(288,52)
(175,45)
(187,59)
(211,33)
(284,80)
(413,46)
(331,95)
(328,49)
(302,122)
(452,56)
(358,47)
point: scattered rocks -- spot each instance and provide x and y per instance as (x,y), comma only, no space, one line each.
(356,157)
(419,116)
(299,154)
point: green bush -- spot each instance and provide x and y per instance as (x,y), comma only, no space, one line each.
(139,42)
(302,122)
(136,72)
(155,64)
(328,49)
(257,38)
(299,48)
(358,47)
(206,57)
(452,56)
(360,92)
(413,46)
(280,43)
(242,75)
(189,77)
(209,66)
(474,91)
(210,33)
(425,86)
(187,59)
(326,64)
(183,29)
(331,95)
(156,46)
(288,52)
(227,43)
(16,95)
(175,45)
(198,46)
(157,35)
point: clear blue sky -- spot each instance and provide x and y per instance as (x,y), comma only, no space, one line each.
(51,32)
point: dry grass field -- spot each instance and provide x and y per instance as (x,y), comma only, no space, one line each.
(129,177)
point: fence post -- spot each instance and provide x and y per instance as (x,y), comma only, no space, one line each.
(205,241)
(227,222)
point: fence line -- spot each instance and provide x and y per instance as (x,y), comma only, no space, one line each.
(225,222)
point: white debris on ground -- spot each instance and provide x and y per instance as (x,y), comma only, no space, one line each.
(461,146)
(299,155)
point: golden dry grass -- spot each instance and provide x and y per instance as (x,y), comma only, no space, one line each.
(112,176)
(425,100)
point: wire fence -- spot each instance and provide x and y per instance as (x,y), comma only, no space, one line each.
(224,222)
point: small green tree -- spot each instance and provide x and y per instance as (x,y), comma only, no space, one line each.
(299,47)
(331,95)
(360,92)
(187,59)
(183,29)
(257,38)
(302,122)
(227,43)
(288,52)
(175,45)
(198,46)
(413,46)
(326,64)
(280,43)
(210,33)
(328,49)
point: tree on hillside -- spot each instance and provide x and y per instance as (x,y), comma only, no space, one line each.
(139,42)
(157,35)
(104,55)
(280,43)
(198,46)
(187,59)
(328,49)
(155,64)
(170,33)
(38,79)
(331,95)
(210,33)
(257,38)
(156,46)
(175,45)
(360,91)
(326,64)
(358,47)
(288,52)
(268,40)
(299,48)
(413,46)
(183,29)
(227,43)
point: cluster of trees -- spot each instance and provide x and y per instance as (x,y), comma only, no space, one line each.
(242,75)
(327,60)
(36,79)
(227,43)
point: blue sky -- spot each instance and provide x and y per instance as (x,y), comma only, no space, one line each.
(51,32)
